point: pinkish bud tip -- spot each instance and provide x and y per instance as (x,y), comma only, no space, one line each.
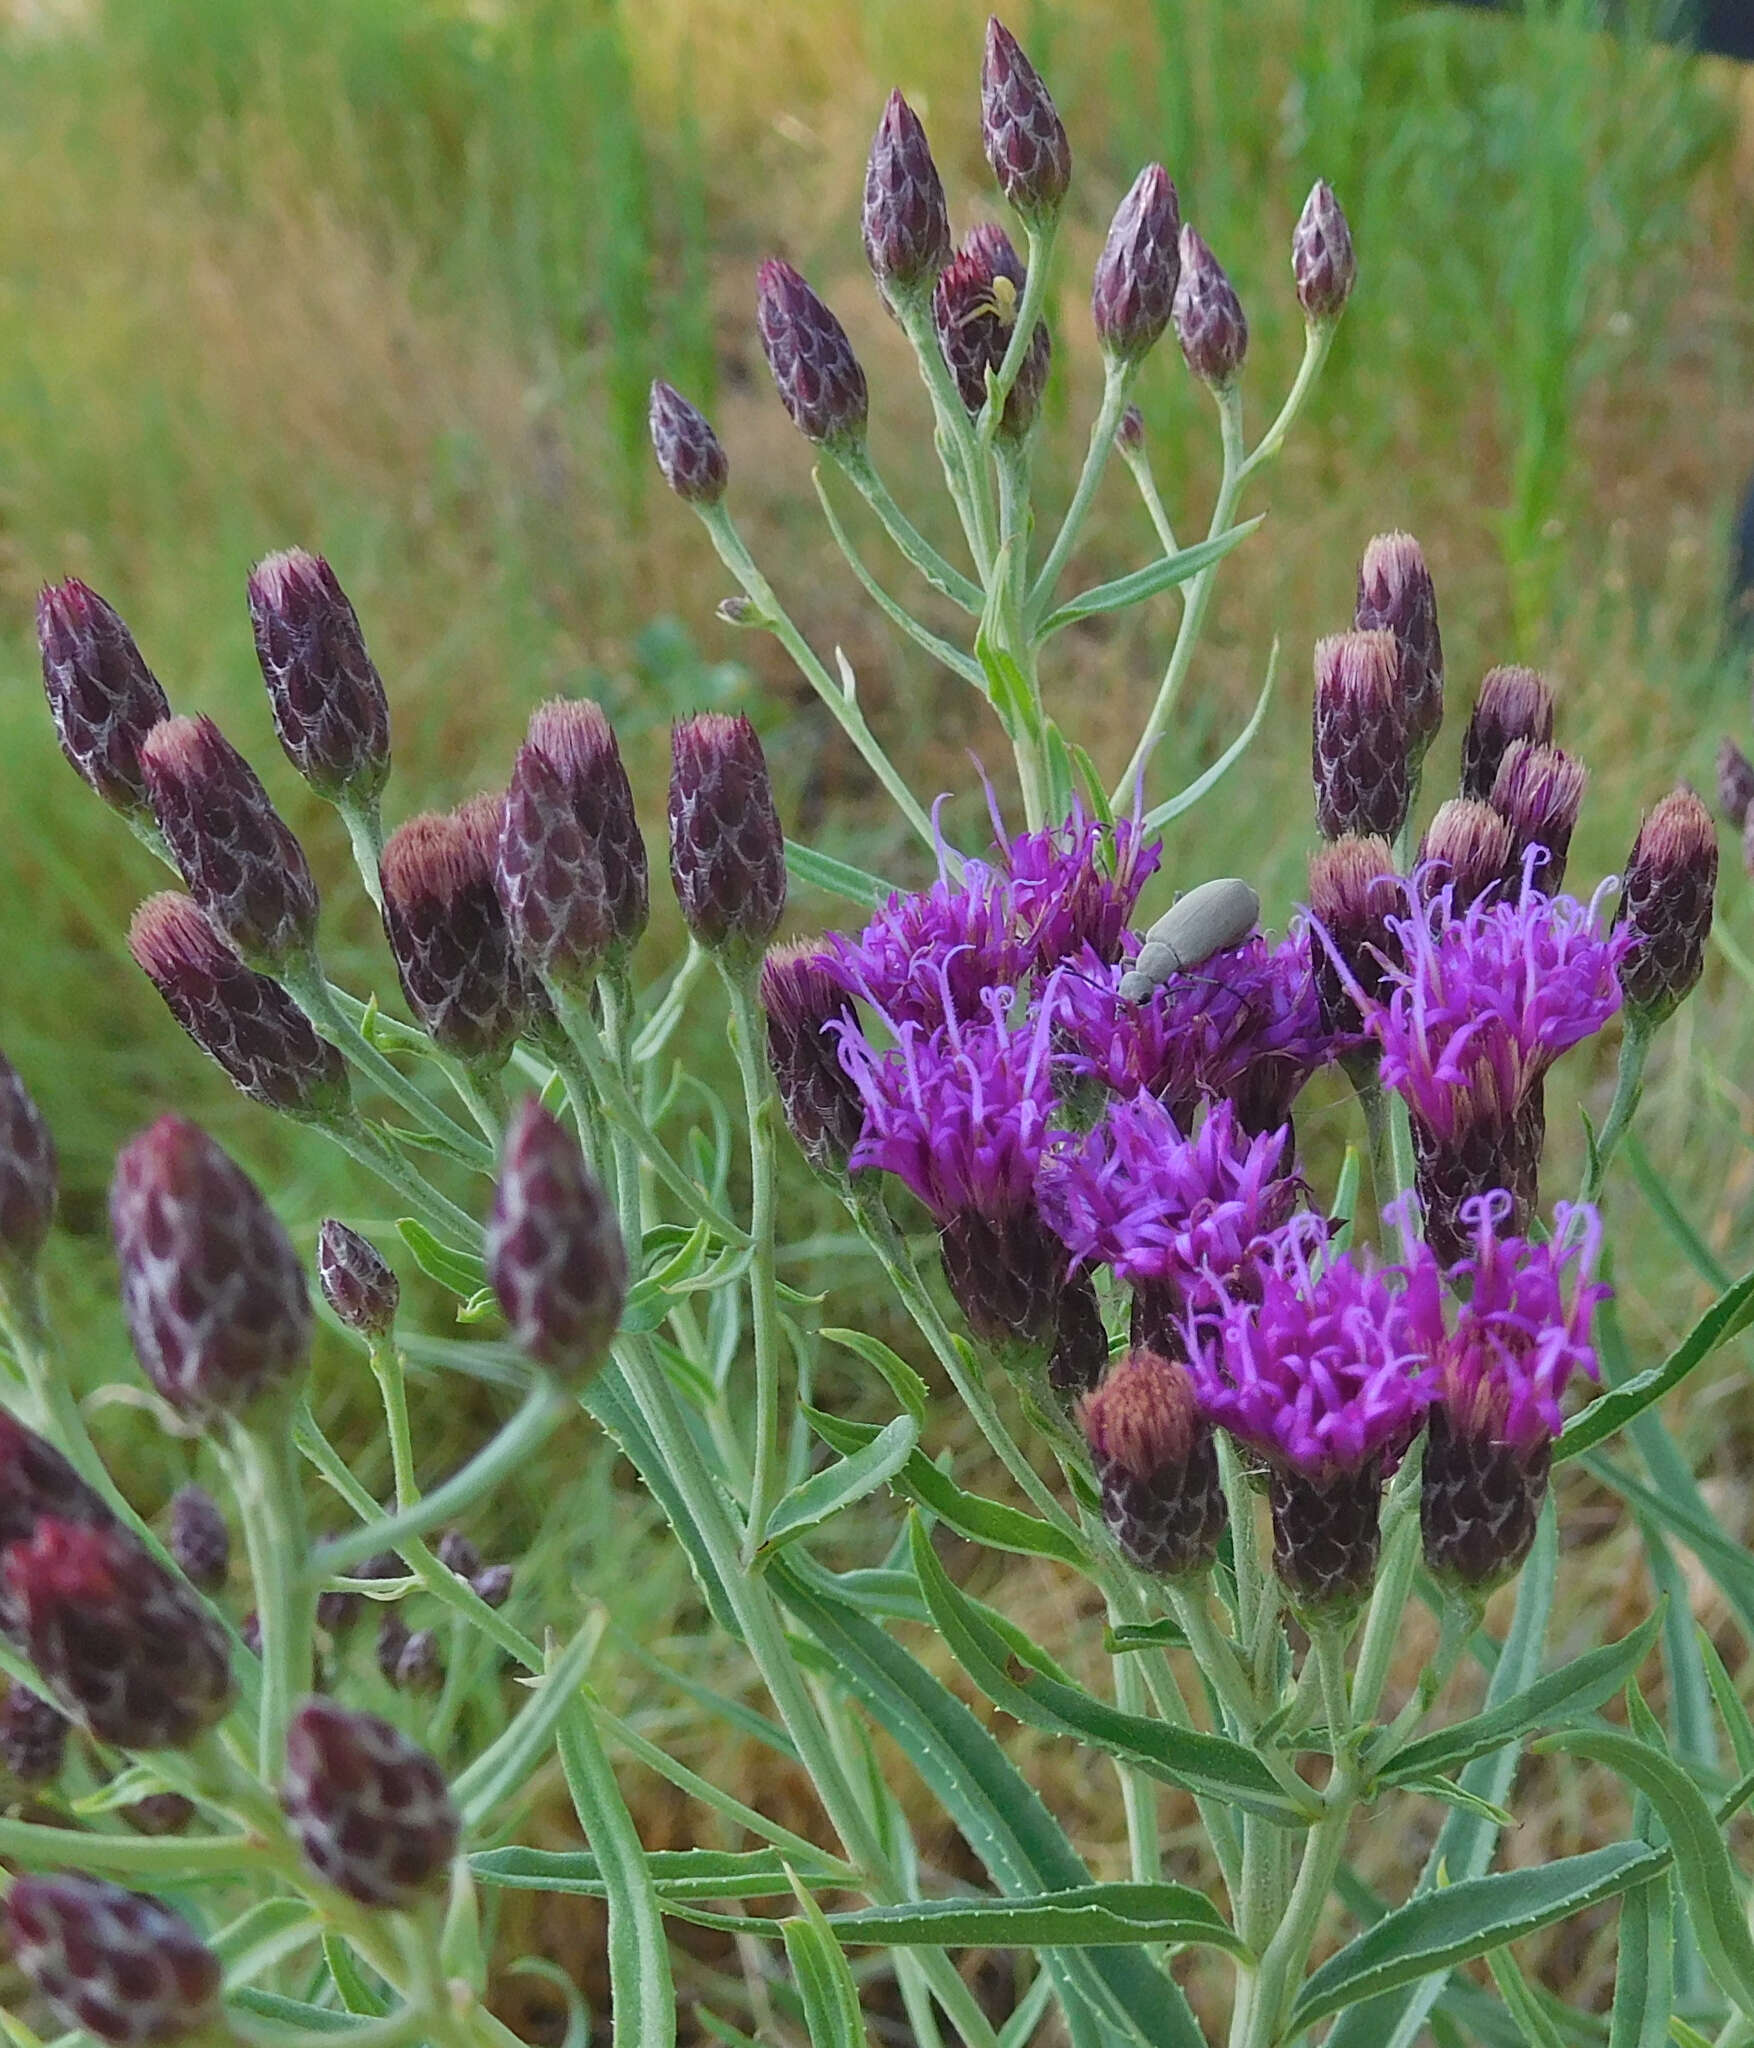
(29,1174)
(690,457)
(1133,292)
(327,698)
(102,696)
(1209,320)
(905,222)
(1021,130)
(359,1287)
(1322,260)
(727,852)
(814,369)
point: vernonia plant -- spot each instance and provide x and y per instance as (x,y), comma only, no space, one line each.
(1274,1427)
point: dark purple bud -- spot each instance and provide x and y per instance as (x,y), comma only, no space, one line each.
(1130,434)
(238,857)
(1513,704)
(33,1736)
(1395,595)
(493,1584)
(419,1666)
(803,999)
(814,369)
(212,1291)
(1021,129)
(1362,780)
(579,744)
(392,1641)
(328,700)
(371,1811)
(1157,1464)
(1079,1356)
(358,1286)
(690,456)
(337,1611)
(1139,268)
(35,1480)
(1469,848)
(199,1539)
(29,1174)
(551,884)
(242,1020)
(1353,893)
(1452,1170)
(1480,1498)
(1538,791)
(1735,784)
(738,611)
(1007,1274)
(121,1965)
(727,852)
(554,1252)
(457,1554)
(905,222)
(448,933)
(159,1813)
(1322,259)
(102,696)
(250,1633)
(1666,898)
(1327,1534)
(974,308)
(121,1646)
(1209,320)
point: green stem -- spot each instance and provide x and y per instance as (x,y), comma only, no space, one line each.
(958,449)
(652,1036)
(1328,1647)
(365,834)
(856,465)
(361,1141)
(1138,460)
(617,997)
(1288,1951)
(1382,1622)
(1117,388)
(166,1860)
(1038,261)
(952,658)
(270,1501)
(386,1364)
(1635,1047)
(747,1035)
(1240,1498)
(1318,338)
(1138,1792)
(1460,1619)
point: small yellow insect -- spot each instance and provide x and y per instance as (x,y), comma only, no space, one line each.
(999,300)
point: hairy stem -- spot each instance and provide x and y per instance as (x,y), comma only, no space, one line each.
(748,1037)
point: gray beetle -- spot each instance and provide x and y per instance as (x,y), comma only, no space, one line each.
(1208,919)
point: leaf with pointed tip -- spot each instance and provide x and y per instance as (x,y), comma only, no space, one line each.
(1163,574)
(837,1487)
(818,870)
(1727,1317)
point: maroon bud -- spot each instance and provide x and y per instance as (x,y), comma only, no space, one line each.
(1395,594)
(457,1554)
(1130,434)
(1007,1274)
(1735,784)
(159,1813)
(371,1811)
(974,308)
(1362,780)
(102,696)
(1080,1350)
(121,1646)
(814,369)
(121,1965)
(580,745)
(212,1291)
(1468,848)
(242,1020)
(199,1539)
(1322,259)
(250,1633)
(1021,129)
(690,456)
(237,855)
(1538,791)
(1209,320)
(1139,268)
(328,700)
(419,1667)
(1513,704)
(804,1001)
(1327,1534)
(1157,1465)
(1666,899)
(554,1252)
(392,1641)
(448,933)
(33,1736)
(551,884)
(905,222)
(29,1175)
(727,852)
(1480,1498)
(359,1287)
(1353,892)
(493,1584)
(35,1480)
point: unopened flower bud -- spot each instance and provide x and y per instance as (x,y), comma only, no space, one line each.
(690,455)
(447,930)
(29,1175)
(806,1009)
(36,1480)
(1327,1533)
(237,855)
(814,369)
(199,1539)
(1130,434)
(1079,1356)
(551,884)
(33,1736)
(1360,755)
(1157,1464)
(1021,129)
(359,1287)
(905,222)
(1209,320)
(1666,899)
(392,1641)
(727,852)
(419,1667)
(121,1646)
(974,309)
(580,745)
(493,1584)
(1468,848)
(739,611)
(458,1554)
(120,1965)
(1735,784)
(212,1291)
(1395,594)
(327,698)
(1322,259)
(372,1812)
(1007,1274)
(1513,704)
(242,1020)
(1353,892)
(555,1257)
(1140,265)
(102,696)
(1538,791)
(159,1813)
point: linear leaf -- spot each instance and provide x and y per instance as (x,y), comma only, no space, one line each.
(825,1982)
(1094,1916)
(685,1874)
(507,1766)
(817,870)
(1163,574)
(1644,1975)
(459,1273)
(1524,2007)
(825,1494)
(1185,799)
(1727,1317)
(1731,1709)
(900,1378)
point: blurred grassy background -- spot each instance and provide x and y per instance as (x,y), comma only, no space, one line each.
(389,278)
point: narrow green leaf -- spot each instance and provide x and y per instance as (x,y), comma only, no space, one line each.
(825,1984)
(836,1487)
(460,1273)
(1145,1635)
(1524,2007)
(1729,1564)
(1685,2036)
(1644,1974)
(818,870)
(689,1875)
(263,1935)
(1007,685)
(1727,1317)
(1057,760)
(1203,784)
(295,2013)
(900,1378)
(1731,1709)
(506,1767)
(1156,576)
(1094,1916)
(351,1985)
(1091,785)
(1459,1797)
(1655,1191)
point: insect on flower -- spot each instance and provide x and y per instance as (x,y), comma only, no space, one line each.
(999,300)
(1209,918)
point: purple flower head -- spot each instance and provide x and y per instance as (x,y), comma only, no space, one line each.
(930,958)
(1076,885)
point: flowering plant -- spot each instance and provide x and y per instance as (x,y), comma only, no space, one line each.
(1266,1437)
